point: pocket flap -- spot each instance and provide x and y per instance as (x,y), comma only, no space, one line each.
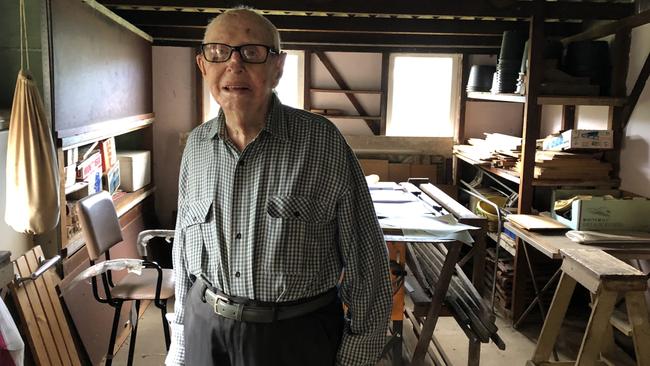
(196,212)
(295,207)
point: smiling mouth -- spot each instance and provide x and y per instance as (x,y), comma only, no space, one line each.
(236,88)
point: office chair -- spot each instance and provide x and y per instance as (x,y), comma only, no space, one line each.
(101,230)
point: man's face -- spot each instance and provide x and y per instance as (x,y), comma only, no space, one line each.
(238,86)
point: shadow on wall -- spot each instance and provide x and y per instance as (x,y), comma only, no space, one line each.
(635,160)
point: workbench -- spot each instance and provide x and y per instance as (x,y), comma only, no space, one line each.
(551,244)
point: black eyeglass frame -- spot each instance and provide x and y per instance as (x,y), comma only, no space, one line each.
(269,51)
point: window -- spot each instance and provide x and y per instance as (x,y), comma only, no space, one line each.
(289,90)
(423,95)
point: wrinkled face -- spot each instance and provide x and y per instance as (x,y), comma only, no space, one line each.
(238,86)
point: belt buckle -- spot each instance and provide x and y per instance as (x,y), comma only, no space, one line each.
(236,314)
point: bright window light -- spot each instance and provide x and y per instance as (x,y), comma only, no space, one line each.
(289,90)
(422,95)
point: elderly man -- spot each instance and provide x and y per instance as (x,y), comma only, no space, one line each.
(275,225)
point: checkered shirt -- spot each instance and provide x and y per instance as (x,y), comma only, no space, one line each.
(281,220)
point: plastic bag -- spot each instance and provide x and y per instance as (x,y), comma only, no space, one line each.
(131,265)
(12,347)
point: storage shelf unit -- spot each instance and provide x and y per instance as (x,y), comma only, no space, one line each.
(346,91)
(550,99)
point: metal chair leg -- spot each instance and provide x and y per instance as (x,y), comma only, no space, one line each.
(134,333)
(111,342)
(163,312)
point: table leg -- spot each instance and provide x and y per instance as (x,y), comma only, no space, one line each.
(436,303)
(397,253)
(596,327)
(554,319)
(638,317)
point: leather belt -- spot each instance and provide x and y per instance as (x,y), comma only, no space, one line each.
(224,306)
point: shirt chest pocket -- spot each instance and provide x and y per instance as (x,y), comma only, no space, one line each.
(198,226)
(299,233)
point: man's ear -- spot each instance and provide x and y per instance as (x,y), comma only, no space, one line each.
(200,63)
(279,68)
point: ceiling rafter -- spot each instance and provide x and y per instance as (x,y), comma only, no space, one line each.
(476,8)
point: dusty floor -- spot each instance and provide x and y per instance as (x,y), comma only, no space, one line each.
(520,343)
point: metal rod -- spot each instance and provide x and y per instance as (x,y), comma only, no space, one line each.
(45,265)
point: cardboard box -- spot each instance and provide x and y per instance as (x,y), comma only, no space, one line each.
(600,213)
(579,139)
(109,155)
(398,172)
(375,166)
(111,179)
(135,169)
(425,171)
(90,165)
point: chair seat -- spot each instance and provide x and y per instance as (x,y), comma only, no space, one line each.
(143,287)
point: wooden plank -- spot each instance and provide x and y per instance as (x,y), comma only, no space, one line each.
(51,279)
(590,267)
(346,91)
(553,321)
(639,85)
(474,8)
(436,303)
(48,307)
(383,102)
(28,319)
(532,111)
(307,81)
(39,328)
(638,319)
(604,30)
(397,252)
(598,323)
(580,100)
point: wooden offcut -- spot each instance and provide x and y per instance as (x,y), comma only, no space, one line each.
(41,314)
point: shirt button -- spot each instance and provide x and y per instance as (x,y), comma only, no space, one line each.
(238,236)
(237,274)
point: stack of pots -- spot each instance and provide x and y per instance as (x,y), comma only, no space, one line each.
(512,50)
(480,78)
(590,59)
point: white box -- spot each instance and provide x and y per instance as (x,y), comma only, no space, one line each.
(579,139)
(135,169)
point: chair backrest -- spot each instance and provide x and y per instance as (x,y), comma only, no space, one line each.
(99,223)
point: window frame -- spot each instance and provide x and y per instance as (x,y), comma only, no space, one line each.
(456,81)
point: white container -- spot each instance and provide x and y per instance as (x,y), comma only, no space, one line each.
(135,169)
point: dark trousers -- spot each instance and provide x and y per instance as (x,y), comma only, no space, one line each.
(312,339)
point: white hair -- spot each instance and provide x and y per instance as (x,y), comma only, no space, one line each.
(250,11)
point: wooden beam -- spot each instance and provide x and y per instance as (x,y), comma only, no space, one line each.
(343,85)
(639,85)
(470,8)
(327,38)
(604,30)
(177,42)
(383,103)
(307,81)
(356,24)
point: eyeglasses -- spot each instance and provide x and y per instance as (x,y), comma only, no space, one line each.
(250,53)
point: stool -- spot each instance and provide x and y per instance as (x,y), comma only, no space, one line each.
(606,278)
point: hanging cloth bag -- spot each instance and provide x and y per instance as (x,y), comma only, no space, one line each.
(32,204)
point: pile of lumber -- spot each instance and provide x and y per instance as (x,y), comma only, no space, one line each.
(505,276)
(462,299)
(556,165)
(497,150)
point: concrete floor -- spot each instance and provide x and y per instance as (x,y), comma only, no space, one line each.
(150,349)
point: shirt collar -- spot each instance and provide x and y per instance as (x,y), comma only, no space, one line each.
(275,124)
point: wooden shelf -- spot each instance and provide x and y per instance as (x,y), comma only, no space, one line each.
(550,99)
(377,118)
(509,248)
(127,201)
(514,177)
(99,131)
(346,91)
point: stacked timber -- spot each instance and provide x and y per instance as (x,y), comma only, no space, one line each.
(504,275)
(464,302)
(496,150)
(556,165)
